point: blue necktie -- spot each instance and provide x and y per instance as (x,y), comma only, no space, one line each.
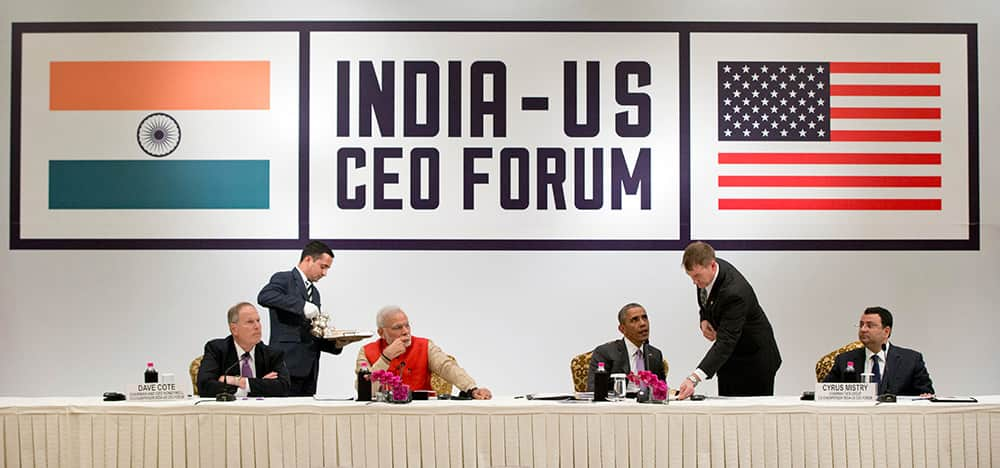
(876,373)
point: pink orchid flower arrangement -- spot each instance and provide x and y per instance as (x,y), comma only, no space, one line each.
(658,387)
(392,383)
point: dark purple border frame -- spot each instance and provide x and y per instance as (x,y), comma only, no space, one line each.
(684,29)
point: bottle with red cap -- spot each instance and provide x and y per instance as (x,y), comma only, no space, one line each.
(151,375)
(601,383)
(850,374)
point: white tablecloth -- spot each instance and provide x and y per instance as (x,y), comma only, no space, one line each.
(302,432)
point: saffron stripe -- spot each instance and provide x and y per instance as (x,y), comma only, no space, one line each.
(830,158)
(830,181)
(158,184)
(831,204)
(886,135)
(885,112)
(885,90)
(149,85)
(885,67)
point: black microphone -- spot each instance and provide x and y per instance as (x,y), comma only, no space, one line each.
(645,355)
(228,394)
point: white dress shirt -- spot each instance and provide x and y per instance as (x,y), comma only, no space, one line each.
(308,309)
(881,360)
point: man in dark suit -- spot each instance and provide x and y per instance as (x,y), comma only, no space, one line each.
(897,370)
(293,300)
(241,363)
(744,352)
(633,352)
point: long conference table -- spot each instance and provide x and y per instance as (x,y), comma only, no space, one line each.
(304,432)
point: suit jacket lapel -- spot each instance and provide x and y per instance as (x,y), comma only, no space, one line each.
(886,375)
(623,350)
(720,280)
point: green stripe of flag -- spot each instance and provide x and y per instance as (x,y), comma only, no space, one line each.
(159,184)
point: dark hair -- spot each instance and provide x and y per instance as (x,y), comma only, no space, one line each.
(315,249)
(883,314)
(625,309)
(697,253)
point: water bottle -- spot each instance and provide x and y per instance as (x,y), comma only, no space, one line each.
(364,383)
(151,375)
(850,375)
(601,383)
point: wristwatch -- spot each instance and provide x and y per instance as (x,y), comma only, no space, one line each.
(694,380)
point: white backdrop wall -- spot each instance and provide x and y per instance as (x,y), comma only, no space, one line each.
(82,322)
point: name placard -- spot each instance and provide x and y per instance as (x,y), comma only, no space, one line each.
(846,392)
(155,392)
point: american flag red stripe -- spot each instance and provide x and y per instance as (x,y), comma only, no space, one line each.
(831,158)
(859,204)
(885,90)
(829,181)
(933,113)
(885,67)
(886,135)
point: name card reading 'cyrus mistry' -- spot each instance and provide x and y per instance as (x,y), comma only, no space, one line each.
(846,391)
(155,392)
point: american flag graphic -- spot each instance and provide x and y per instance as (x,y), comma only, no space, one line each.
(853,113)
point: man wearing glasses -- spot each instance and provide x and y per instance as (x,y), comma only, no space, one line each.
(895,369)
(413,358)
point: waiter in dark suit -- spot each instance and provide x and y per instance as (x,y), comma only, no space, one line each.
(895,369)
(241,363)
(633,352)
(744,352)
(293,300)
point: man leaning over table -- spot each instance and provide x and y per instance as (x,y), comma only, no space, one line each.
(744,354)
(413,358)
(895,369)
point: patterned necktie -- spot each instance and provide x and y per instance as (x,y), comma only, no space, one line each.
(639,365)
(245,370)
(876,373)
(702,296)
(309,292)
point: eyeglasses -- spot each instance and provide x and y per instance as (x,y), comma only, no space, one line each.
(869,325)
(400,326)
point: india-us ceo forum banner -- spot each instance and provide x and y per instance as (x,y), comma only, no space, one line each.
(494,135)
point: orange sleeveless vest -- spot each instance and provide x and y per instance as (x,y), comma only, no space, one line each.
(411,365)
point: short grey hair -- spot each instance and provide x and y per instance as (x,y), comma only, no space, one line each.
(385,313)
(234,312)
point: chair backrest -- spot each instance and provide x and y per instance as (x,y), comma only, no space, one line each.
(579,367)
(195,365)
(439,384)
(825,363)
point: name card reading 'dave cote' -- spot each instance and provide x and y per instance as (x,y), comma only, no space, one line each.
(155,392)
(846,391)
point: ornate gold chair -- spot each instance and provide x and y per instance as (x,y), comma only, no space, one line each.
(195,365)
(439,384)
(579,367)
(825,363)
